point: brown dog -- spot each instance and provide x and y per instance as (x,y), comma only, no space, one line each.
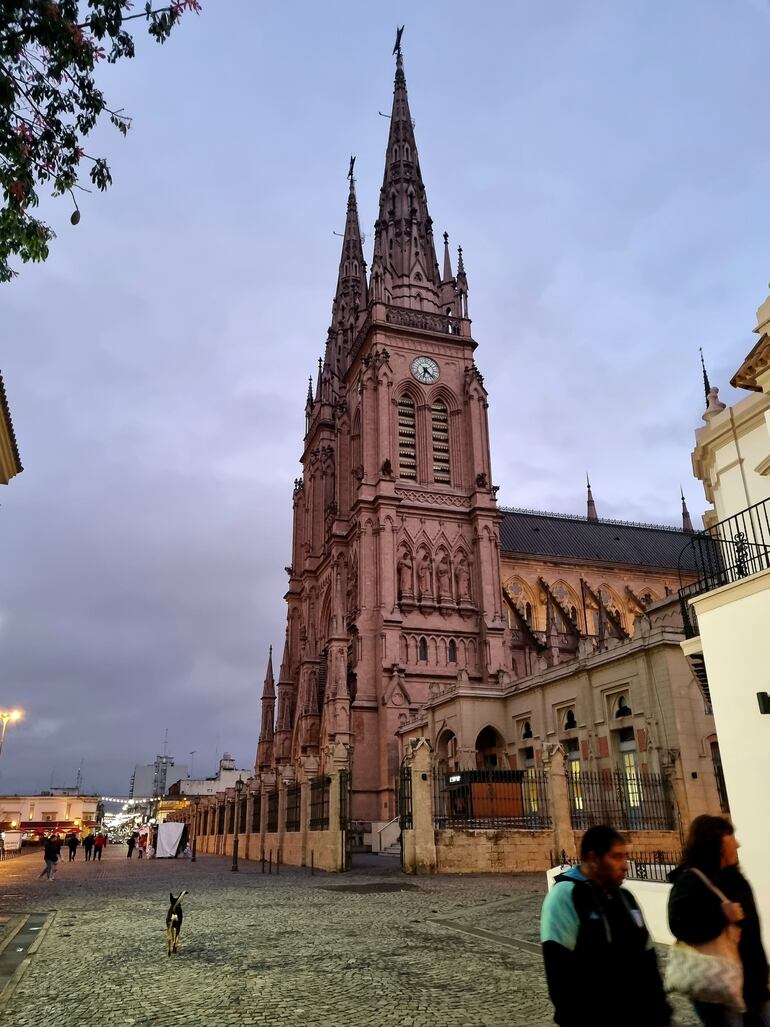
(174,919)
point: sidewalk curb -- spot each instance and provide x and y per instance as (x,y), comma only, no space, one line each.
(7,992)
(13,930)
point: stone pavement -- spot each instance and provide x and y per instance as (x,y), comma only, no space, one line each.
(287,950)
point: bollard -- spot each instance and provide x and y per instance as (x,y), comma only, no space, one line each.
(312,863)
(262,859)
(270,863)
(278,862)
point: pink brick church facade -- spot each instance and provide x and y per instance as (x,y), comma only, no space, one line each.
(397,584)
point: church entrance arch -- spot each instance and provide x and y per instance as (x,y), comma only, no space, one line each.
(490,749)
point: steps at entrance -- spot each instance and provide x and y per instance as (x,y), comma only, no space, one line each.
(392,850)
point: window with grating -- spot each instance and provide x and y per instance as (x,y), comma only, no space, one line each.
(407,440)
(440,423)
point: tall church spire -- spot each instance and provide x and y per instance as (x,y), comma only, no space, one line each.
(267,723)
(351,297)
(404,250)
(686,520)
(591,514)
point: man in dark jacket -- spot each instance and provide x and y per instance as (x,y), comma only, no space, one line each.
(695,915)
(599,958)
(51,857)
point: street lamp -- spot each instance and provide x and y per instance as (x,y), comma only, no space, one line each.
(238,790)
(6,716)
(196,802)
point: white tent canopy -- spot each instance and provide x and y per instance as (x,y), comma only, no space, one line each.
(168,840)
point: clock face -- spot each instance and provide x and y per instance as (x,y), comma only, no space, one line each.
(425,369)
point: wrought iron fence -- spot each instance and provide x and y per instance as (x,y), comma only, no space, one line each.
(642,866)
(652,866)
(293,803)
(478,799)
(272,811)
(627,800)
(320,788)
(726,552)
(405,798)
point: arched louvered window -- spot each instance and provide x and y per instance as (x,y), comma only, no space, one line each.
(452,657)
(422,651)
(407,439)
(440,425)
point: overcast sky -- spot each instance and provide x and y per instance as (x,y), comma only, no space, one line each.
(604,166)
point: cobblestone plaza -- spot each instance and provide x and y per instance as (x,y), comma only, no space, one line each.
(368,947)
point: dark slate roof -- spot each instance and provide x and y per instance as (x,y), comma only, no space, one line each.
(617,542)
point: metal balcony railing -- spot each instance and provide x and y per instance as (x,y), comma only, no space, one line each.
(726,552)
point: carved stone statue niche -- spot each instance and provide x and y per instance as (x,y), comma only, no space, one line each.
(444,577)
(405,574)
(424,580)
(462,576)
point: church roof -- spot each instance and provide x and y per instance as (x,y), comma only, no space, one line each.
(567,536)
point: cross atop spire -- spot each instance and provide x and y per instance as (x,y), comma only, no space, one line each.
(405,254)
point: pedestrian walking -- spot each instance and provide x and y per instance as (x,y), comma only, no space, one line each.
(88,845)
(72,844)
(712,910)
(599,958)
(98,846)
(131,845)
(51,857)
(142,845)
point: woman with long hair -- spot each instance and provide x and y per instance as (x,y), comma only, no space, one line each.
(697,915)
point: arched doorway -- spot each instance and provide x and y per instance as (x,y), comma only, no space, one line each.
(490,750)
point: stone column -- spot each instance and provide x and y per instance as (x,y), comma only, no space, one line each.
(558,800)
(420,841)
(338,763)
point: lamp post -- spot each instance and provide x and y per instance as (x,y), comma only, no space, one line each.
(196,802)
(6,716)
(238,790)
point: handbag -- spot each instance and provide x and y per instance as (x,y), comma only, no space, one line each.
(709,971)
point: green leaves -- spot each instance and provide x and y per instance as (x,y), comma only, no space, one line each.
(49,103)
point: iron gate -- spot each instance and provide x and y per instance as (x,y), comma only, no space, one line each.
(345,825)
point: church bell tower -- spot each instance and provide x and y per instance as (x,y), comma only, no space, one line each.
(394,585)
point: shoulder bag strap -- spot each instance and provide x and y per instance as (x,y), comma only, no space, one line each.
(708,883)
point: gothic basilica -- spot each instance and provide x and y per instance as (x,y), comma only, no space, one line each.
(416,605)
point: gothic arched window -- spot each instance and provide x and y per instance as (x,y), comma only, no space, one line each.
(527,732)
(569,721)
(452,657)
(440,428)
(407,439)
(528,614)
(422,651)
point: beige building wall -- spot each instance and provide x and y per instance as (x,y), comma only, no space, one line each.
(733,624)
(648,675)
(732,459)
(47,808)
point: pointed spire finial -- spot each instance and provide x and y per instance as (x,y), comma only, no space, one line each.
(686,519)
(591,514)
(706,385)
(460,265)
(318,383)
(309,401)
(350,169)
(397,47)
(447,277)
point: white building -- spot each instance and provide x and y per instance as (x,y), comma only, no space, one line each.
(48,812)
(730,604)
(225,777)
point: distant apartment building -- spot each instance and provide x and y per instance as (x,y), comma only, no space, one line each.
(225,777)
(155,779)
